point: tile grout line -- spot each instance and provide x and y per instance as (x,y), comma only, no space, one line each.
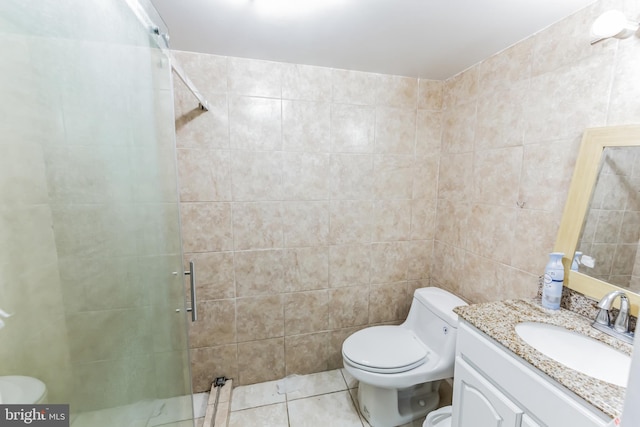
(342,387)
(353,401)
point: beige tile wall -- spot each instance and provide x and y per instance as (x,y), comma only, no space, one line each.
(315,194)
(308,202)
(512,125)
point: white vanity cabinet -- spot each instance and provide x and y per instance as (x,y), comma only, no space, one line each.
(480,403)
(495,388)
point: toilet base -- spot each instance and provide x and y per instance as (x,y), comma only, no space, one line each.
(384,407)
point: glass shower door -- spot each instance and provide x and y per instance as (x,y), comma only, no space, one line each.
(90,251)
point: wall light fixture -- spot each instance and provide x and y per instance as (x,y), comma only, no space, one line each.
(613,24)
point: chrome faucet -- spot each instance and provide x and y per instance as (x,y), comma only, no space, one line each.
(619,328)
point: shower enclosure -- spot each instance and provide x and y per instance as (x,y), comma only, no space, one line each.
(91,268)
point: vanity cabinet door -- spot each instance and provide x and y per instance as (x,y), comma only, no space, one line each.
(478,403)
(528,422)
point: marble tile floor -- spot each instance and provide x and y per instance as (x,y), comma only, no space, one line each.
(315,400)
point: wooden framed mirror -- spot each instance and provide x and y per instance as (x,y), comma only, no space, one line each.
(601,154)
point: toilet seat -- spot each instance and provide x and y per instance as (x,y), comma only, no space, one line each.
(384,349)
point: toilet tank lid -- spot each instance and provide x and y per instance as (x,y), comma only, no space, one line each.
(440,302)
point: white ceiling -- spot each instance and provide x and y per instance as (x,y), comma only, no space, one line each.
(432,39)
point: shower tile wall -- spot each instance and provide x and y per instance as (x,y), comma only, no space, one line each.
(112,189)
(308,203)
(30,285)
(512,125)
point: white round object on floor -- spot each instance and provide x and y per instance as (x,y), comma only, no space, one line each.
(439,418)
(17,389)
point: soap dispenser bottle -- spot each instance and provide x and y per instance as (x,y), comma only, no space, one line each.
(553,279)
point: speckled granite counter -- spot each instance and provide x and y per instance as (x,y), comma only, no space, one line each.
(498,320)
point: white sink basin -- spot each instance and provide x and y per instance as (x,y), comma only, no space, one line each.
(576,351)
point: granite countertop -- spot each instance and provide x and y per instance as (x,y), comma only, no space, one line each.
(498,320)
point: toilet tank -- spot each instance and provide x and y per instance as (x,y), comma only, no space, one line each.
(432,319)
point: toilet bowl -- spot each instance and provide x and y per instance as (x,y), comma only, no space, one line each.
(16,389)
(400,367)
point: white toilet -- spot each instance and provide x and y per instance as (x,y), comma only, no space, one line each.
(400,367)
(16,389)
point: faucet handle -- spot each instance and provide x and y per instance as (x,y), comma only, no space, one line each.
(603,317)
(622,321)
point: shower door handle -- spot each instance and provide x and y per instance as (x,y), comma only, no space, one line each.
(192,282)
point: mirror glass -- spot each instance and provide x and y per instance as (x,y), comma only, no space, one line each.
(611,230)
(601,218)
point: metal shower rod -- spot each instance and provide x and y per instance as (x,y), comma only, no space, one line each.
(162,40)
